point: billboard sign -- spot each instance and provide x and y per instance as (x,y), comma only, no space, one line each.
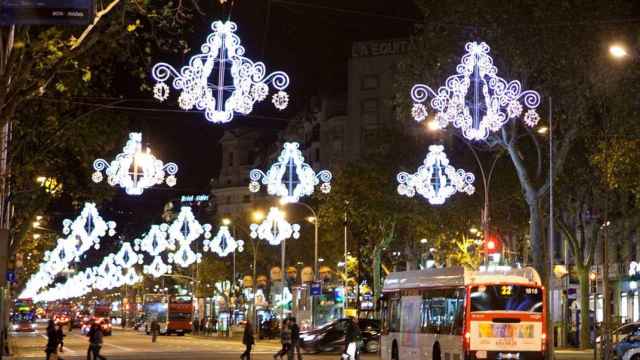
(46,12)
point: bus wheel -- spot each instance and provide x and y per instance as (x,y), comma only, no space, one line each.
(436,352)
(394,351)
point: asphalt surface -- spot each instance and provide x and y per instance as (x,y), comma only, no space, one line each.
(136,345)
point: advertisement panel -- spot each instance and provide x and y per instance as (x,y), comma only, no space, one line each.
(46,12)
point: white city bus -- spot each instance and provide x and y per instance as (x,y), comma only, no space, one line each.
(457,314)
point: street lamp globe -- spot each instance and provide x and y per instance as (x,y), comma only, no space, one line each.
(226,221)
(618,51)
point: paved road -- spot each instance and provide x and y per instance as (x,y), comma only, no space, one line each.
(136,345)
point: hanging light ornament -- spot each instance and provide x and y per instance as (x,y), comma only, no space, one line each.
(221,96)
(223,243)
(183,231)
(134,169)
(492,100)
(155,241)
(82,233)
(157,267)
(290,178)
(436,180)
(275,228)
(127,257)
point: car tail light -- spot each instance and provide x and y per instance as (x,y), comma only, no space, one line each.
(467,340)
(544,341)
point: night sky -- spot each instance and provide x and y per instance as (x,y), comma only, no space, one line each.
(309,40)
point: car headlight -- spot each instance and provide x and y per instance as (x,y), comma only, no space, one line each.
(33,326)
(14,327)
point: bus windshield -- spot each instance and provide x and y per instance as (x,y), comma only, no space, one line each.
(506,298)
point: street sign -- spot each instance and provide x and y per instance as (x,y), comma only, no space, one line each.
(46,12)
(316,288)
(11,276)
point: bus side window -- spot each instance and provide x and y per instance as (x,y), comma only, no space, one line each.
(394,318)
(458,312)
(384,308)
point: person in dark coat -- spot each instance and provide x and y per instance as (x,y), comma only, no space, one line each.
(285,339)
(352,337)
(295,340)
(52,340)
(247,340)
(60,335)
(95,342)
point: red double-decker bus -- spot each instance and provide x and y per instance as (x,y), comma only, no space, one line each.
(174,314)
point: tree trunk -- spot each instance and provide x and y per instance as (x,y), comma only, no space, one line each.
(585,329)
(536,238)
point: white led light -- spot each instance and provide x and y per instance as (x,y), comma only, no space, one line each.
(134,169)
(476,100)
(157,267)
(223,243)
(155,241)
(183,231)
(204,83)
(436,180)
(290,178)
(275,228)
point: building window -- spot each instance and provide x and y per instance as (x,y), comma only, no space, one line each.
(369,112)
(369,82)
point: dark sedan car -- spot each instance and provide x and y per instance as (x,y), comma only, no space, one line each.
(331,336)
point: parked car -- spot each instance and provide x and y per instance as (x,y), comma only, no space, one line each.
(331,336)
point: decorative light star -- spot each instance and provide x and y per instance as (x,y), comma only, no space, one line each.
(436,180)
(204,84)
(223,243)
(290,178)
(127,257)
(134,169)
(88,228)
(476,100)
(275,228)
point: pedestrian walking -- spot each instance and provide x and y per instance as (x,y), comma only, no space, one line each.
(60,335)
(203,325)
(295,340)
(155,329)
(352,338)
(285,339)
(52,341)
(95,342)
(247,340)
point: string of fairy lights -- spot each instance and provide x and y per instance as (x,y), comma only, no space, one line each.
(222,82)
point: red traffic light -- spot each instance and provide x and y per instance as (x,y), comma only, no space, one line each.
(492,244)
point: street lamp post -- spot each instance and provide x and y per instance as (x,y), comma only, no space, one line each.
(316,222)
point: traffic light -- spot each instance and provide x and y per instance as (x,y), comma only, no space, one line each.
(492,244)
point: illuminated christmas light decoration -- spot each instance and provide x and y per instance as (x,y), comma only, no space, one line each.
(134,169)
(476,100)
(157,268)
(184,256)
(204,83)
(155,241)
(275,228)
(223,243)
(88,228)
(290,178)
(127,257)
(132,277)
(436,180)
(186,229)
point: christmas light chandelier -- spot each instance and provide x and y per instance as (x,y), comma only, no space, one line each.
(436,180)
(183,231)
(157,267)
(134,169)
(221,80)
(275,228)
(155,241)
(290,178)
(223,243)
(476,100)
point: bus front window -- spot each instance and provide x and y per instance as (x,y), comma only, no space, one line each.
(506,298)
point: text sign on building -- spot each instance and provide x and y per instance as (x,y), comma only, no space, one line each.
(379,48)
(194,198)
(46,12)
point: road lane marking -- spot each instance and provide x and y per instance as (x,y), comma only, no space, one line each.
(118,347)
